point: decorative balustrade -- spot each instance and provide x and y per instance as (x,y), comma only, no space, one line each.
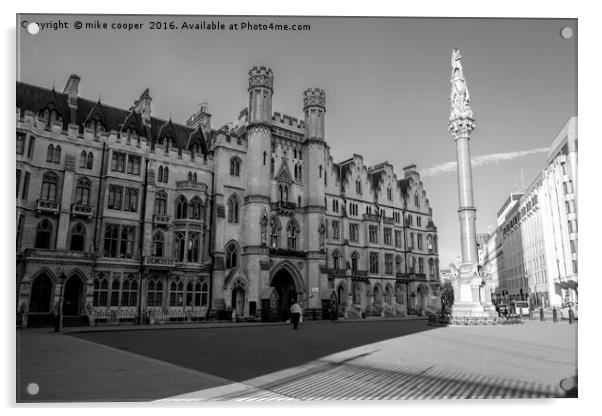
(284,207)
(48,206)
(371,217)
(336,272)
(389,220)
(161,219)
(191,185)
(82,210)
(159,261)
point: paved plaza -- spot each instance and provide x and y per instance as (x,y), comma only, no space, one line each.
(366,359)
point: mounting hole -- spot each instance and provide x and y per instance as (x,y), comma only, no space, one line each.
(33,389)
(33,28)
(566,32)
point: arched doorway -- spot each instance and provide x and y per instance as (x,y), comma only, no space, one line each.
(287,292)
(341,295)
(72,296)
(238,300)
(41,294)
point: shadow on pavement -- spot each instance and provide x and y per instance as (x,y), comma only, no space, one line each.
(242,353)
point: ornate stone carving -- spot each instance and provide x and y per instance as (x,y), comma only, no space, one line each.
(314,97)
(459,92)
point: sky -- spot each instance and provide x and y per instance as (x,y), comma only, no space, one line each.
(386,82)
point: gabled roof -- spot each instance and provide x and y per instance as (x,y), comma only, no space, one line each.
(36,99)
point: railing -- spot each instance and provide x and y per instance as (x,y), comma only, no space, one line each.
(48,206)
(191,185)
(82,210)
(389,220)
(336,272)
(161,219)
(159,261)
(284,207)
(372,217)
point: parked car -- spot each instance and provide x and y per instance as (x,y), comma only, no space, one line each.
(518,304)
(564,310)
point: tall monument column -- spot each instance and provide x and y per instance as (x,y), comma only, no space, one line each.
(461,123)
(467,281)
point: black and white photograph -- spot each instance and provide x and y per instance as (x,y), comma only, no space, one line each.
(287,209)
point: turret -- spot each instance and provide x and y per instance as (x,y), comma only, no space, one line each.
(261,88)
(71,89)
(314,107)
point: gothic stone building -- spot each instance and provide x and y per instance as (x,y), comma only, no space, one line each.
(125,217)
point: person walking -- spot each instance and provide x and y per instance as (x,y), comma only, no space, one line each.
(333,310)
(554,314)
(541,317)
(296,313)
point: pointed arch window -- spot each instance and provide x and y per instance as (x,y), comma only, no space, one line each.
(176,293)
(127,243)
(336,259)
(416,200)
(358,187)
(57,154)
(101,290)
(50,153)
(83,159)
(160,174)
(165,174)
(158,246)
(272,165)
(389,194)
(82,192)
(43,234)
(196,293)
(90,161)
(160,203)
(78,237)
(235,166)
(320,171)
(195,208)
(300,173)
(274,232)
(181,208)
(231,255)
(180,246)
(357,293)
(194,244)
(41,294)
(49,187)
(355,259)
(265,156)
(189,176)
(129,291)
(115,288)
(111,240)
(292,229)
(154,293)
(233,209)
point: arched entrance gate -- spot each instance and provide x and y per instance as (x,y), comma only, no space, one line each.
(286,280)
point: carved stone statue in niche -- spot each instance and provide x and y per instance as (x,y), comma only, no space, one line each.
(264,231)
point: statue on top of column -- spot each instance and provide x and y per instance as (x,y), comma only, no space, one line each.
(459,92)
